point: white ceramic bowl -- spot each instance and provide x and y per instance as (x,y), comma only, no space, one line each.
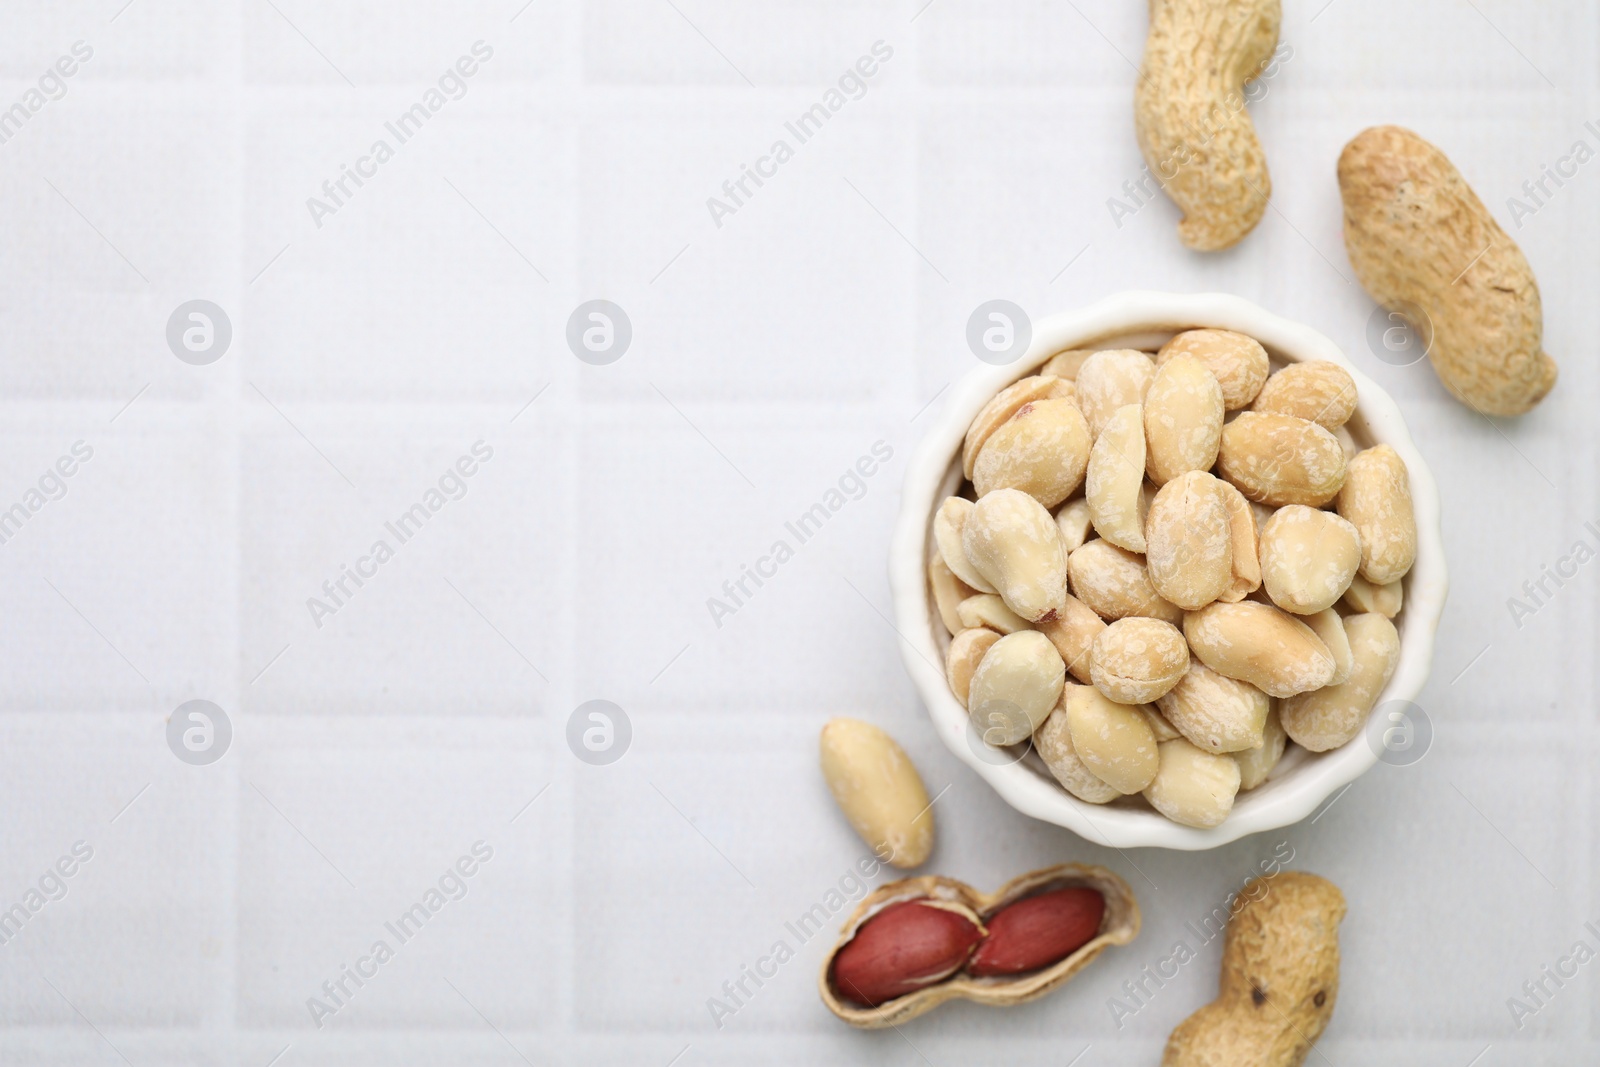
(1302,781)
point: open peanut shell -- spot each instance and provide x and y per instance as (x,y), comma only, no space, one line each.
(1118,926)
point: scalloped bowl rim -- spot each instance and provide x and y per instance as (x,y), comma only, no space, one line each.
(1296,792)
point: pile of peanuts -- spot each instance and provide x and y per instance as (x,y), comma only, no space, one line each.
(1199,543)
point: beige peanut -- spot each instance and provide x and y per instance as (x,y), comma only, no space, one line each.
(1333,715)
(1137,660)
(1014,544)
(1053,742)
(1182,419)
(949,525)
(1189,541)
(1075,523)
(1114,483)
(1113,740)
(1073,635)
(1238,362)
(1256,763)
(1109,381)
(1376,498)
(1193,787)
(1190,117)
(1328,625)
(1308,558)
(1281,459)
(1259,644)
(948,592)
(1116,583)
(1423,243)
(999,409)
(1386,600)
(1015,687)
(1318,390)
(989,610)
(961,659)
(1041,450)
(1216,713)
(1244,543)
(877,787)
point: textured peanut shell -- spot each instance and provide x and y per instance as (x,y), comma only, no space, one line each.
(1118,926)
(1376,498)
(1280,978)
(1190,117)
(877,787)
(1281,459)
(1421,241)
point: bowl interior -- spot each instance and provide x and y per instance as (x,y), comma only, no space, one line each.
(1301,780)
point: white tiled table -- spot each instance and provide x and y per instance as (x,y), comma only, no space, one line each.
(768,354)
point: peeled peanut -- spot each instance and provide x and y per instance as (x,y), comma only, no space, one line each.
(1238,362)
(1115,479)
(1256,763)
(1242,534)
(949,522)
(1377,498)
(1159,726)
(1182,419)
(1110,380)
(1073,635)
(1189,541)
(1318,389)
(1136,660)
(1216,713)
(1113,740)
(1053,742)
(1014,544)
(961,659)
(1116,584)
(1000,408)
(1281,459)
(1073,520)
(1192,787)
(948,592)
(1328,625)
(1386,600)
(876,786)
(1065,365)
(1015,687)
(1041,450)
(1331,716)
(1259,644)
(1308,558)
(987,609)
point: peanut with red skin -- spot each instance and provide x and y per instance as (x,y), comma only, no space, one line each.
(905,947)
(1037,931)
